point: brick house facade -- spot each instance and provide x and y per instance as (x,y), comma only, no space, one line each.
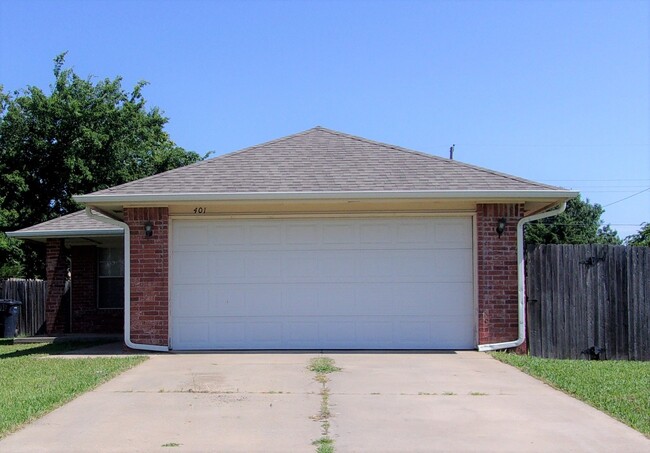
(317,174)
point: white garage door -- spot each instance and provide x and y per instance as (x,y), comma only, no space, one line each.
(323,284)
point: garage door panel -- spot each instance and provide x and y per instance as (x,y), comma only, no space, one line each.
(300,265)
(229,333)
(190,267)
(453,233)
(194,299)
(298,333)
(267,333)
(336,299)
(376,232)
(339,233)
(263,266)
(411,332)
(449,332)
(323,284)
(262,300)
(308,235)
(227,300)
(451,265)
(374,298)
(337,333)
(264,234)
(374,332)
(300,299)
(191,236)
(376,265)
(226,266)
(336,266)
(193,332)
(224,236)
(413,233)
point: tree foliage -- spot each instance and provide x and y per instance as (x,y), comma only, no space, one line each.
(642,238)
(81,137)
(580,223)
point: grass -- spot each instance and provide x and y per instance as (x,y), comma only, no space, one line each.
(618,388)
(32,386)
(323,366)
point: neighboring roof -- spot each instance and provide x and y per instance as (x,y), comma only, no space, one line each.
(318,163)
(72,225)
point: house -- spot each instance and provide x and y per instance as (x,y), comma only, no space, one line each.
(318,240)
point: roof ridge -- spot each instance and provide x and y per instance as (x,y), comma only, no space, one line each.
(207,161)
(434,157)
(453,166)
(270,142)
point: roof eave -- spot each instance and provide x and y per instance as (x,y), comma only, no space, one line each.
(44,234)
(479,195)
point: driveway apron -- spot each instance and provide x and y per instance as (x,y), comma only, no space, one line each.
(390,402)
(461,402)
(189,402)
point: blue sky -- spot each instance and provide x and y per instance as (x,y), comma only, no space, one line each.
(554,91)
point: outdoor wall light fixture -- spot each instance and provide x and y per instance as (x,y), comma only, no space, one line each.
(148,229)
(501,226)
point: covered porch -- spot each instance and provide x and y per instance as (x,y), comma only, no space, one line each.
(90,256)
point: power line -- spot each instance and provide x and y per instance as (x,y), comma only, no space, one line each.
(602,145)
(598,180)
(626,198)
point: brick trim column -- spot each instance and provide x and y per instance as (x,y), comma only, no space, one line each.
(56,311)
(497,272)
(149,275)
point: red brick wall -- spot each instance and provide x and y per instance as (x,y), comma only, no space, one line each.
(497,272)
(86,317)
(149,275)
(57,311)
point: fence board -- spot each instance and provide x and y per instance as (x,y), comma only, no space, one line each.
(32,293)
(579,296)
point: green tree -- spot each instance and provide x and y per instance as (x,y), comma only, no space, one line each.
(642,238)
(81,137)
(580,223)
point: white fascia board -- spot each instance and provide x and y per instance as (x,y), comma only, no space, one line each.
(235,196)
(63,233)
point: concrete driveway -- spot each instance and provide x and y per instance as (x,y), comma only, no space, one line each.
(404,402)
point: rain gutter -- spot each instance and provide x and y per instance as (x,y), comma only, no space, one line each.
(549,195)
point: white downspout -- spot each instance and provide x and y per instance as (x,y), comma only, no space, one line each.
(127,284)
(521,281)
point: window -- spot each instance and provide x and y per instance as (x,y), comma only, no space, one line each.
(110,277)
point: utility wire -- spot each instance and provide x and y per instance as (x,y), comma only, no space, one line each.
(599,180)
(626,198)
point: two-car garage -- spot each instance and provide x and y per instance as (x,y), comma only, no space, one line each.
(323,283)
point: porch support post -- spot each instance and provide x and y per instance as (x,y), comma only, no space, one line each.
(56,310)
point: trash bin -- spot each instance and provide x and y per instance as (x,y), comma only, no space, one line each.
(9,317)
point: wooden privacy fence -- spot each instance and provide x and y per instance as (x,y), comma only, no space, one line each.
(583,296)
(32,293)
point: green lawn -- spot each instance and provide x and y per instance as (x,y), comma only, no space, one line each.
(618,388)
(31,384)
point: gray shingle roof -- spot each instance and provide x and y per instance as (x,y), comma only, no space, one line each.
(322,160)
(71,225)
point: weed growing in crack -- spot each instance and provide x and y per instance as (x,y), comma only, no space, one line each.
(322,366)
(324,445)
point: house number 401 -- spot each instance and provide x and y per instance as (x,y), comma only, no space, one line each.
(200,210)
